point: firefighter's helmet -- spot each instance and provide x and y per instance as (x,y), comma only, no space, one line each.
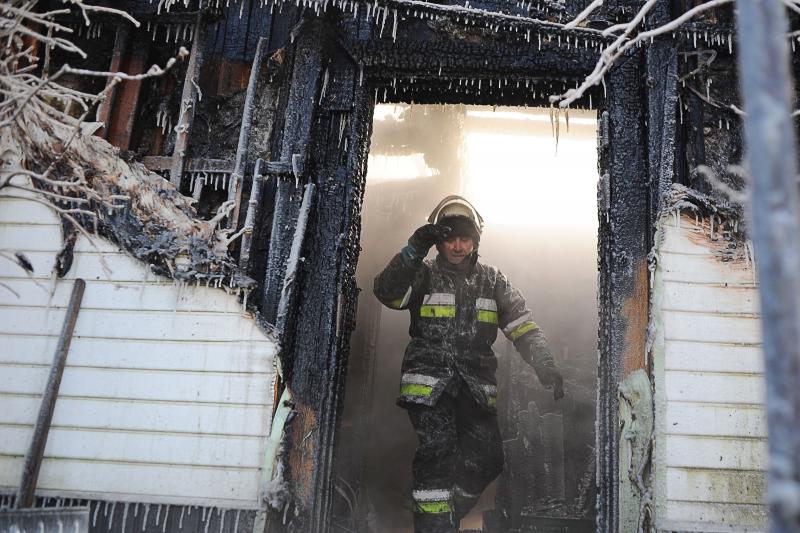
(458,208)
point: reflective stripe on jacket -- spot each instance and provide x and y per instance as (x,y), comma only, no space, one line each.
(455,315)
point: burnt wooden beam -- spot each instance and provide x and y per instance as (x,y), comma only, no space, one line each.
(122,42)
(33,459)
(123,116)
(325,315)
(278,168)
(298,117)
(188,102)
(253,206)
(160,163)
(623,288)
(662,117)
(240,161)
(290,281)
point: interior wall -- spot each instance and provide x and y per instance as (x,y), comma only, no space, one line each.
(538,196)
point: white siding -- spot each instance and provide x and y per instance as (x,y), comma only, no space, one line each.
(167,393)
(710,451)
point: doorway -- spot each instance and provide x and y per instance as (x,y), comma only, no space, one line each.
(534,179)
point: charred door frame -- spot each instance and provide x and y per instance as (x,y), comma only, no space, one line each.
(348,71)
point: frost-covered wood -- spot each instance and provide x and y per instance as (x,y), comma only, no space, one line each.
(167,394)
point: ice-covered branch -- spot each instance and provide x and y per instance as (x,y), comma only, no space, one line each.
(627,39)
(50,155)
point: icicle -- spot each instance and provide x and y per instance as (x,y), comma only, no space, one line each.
(180,520)
(94,517)
(394,25)
(383,20)
(111,519)
(166,513)
(124,516)
(221,520)
(208,521)
(146,512)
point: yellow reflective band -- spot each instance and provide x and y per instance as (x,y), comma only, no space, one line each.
(396,304)
(433,507)
(522,330)
(438,311)
(492,401)
(414,389)
(490,317)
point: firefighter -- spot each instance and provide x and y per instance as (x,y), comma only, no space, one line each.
(448,383)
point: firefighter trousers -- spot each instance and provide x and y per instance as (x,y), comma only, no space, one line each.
(460,452)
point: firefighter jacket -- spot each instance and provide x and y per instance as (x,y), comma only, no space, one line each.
(455,313)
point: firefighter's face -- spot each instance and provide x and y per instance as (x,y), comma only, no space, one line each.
(456,249)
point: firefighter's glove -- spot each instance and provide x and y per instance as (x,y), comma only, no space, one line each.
(422,240)
(542,362)
(551,377)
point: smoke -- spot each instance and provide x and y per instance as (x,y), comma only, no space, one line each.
(538,202)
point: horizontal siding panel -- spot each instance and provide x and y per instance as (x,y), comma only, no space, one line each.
(233,356)
(89,266)
(704,269)
(688,237)
(714,388)
(30,237)
(21,211)
(710,298)
(132,295)
(141,384)
(703,327)
(716,486)
(137,447)
(238,487)
(167,393)
(683,418)
(722,514)
(716,453)
(126,415)
(154,325)
(710,357)
(37,237)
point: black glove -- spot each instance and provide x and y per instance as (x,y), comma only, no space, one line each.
(542,362)
(426,236)
(551,377)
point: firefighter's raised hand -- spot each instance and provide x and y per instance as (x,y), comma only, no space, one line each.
(426,236)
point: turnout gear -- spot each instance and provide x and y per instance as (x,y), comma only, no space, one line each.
(455,314)
(460,452)
(448,382)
